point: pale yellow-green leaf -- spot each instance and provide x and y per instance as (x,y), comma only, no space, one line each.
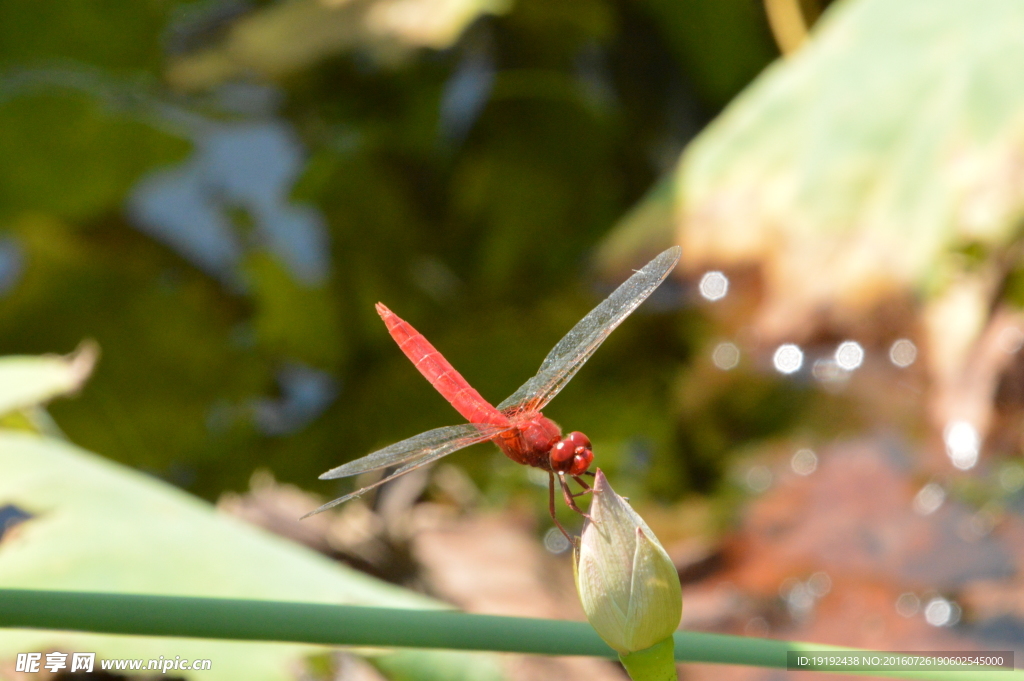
(287,36)
(26,381)
(99,526)
(874,181)
(862,163)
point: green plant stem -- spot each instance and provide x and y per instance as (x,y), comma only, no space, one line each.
(383,627)
(653,664)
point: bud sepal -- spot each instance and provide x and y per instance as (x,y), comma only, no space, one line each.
(656,663)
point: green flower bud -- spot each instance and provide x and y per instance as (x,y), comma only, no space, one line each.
(627,583)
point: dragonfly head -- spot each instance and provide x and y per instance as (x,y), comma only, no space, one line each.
(572,454)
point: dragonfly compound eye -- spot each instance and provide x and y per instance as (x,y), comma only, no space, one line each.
(565,453)
(581,462)
(561,454)
(582,454)
(578,441)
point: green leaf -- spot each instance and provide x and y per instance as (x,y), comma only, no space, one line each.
(98,526)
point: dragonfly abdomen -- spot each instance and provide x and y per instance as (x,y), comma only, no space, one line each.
(439,371)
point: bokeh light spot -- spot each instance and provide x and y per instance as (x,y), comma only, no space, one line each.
(726,356)
(849,355)
(555,541)
(903,353)
(941,613)
(799,601)
(820,584)
(759,478)
(962,444)
(714,285)
(804,462)
(827,371)
(757,627)
(788,358)
(929,498)
(980,524)
(908,604)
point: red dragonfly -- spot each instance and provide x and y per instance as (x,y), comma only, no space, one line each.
(516,425)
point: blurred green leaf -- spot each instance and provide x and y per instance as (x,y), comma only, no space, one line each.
(173,347)
(66,155)
(647,228)
(108,33)
(723,44)
(293,319)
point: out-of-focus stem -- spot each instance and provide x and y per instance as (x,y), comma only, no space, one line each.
(145,615)
(790,21)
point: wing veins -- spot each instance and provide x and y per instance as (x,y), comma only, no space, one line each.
(576,347)
(447,439)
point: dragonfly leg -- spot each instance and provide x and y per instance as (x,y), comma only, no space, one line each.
(582,483)
(551,508)
(570,498)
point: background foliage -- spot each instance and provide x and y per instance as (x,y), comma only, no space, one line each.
(217,192)
(220,214)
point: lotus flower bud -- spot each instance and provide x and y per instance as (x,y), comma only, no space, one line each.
(627,583)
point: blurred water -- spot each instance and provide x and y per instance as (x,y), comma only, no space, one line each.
(12,263)
(467,90)
(248,165)
(305,394)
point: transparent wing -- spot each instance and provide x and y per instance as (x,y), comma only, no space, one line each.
(566,358)
(444,440)
(409,455)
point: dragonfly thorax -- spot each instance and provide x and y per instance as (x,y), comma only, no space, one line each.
(531,441)
(538,442)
